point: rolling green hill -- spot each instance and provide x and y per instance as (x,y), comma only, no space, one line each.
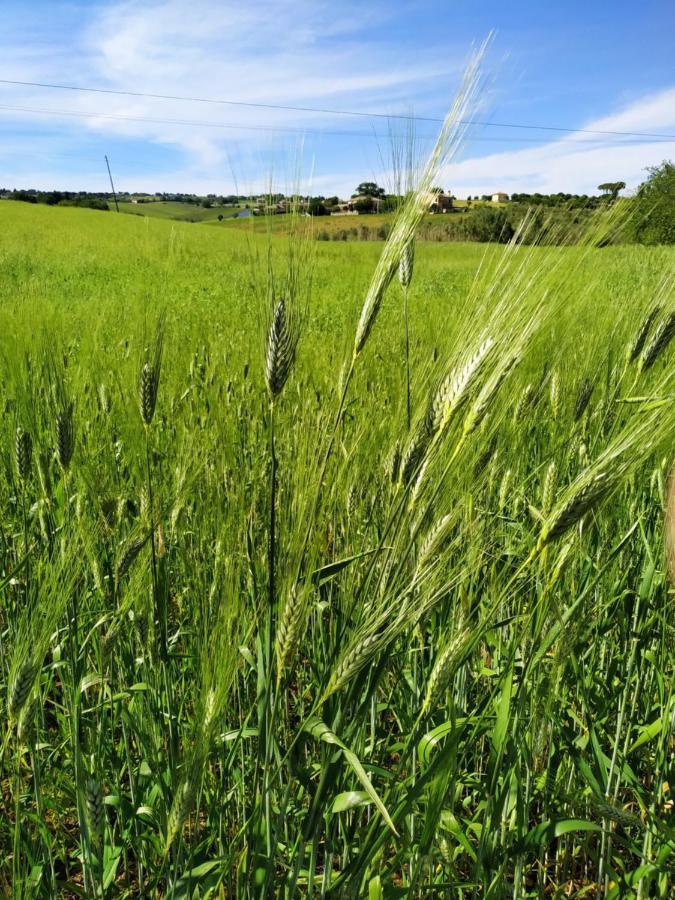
(181,212)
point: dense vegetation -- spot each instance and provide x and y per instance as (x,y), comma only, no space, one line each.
(268,628)
(653,220)
(480,224)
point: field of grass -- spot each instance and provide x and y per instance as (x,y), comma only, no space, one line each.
(182,212)
(266,632)
(461,225)
(372,222)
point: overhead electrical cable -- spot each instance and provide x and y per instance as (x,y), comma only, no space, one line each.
(241,126)
(324,111)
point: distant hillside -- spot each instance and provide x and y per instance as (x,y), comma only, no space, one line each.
(182,212)
(483,223)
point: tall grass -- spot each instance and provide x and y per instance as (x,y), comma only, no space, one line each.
(269,628)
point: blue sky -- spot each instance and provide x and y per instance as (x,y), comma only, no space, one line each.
(576,65)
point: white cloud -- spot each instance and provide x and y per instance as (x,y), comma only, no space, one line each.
(575,164)
(298,53)
(293,52)
(648,114)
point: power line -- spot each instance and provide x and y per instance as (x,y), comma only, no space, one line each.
(324,111)
(190,122)
(287,129)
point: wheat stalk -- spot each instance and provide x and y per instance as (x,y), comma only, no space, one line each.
(548,489)
(418,201)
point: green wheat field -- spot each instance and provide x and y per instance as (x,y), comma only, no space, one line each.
(332,569)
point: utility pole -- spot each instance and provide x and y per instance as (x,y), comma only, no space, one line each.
(112,185)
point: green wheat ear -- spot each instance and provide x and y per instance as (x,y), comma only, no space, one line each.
(180,810)
(281,346)
(130,555)
(642,333)
(147,393)
(583,398)
(20,687)
(289,632)
(95,807)
(662,336)
(407,264)
(65,436)
(150,374)
(23,453)
(444,667)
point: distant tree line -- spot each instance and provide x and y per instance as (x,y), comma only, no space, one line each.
(100,199)
(59,198)
(572,201)
(651,219)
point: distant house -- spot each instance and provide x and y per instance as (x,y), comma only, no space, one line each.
(441,202)
(349,207)
(343,208)
(265,205)
(500,197)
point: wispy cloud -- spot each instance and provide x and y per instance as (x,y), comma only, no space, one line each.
(575,163)
(294,52)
